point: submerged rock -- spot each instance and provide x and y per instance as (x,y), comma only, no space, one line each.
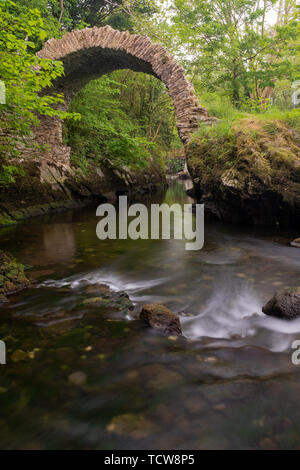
(19,355)
(119,301)
(284,305)
(132,425)
(12,277)
(161,318)
(97,289)
(77,378)
(296,243)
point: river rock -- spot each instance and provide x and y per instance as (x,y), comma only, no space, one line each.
(131,425)
(296,243)
(18,355)
(119,301)
(12,277)
(161,318)
(77,378)
(284,305)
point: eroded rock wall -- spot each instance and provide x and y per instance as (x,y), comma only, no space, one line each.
(250,175)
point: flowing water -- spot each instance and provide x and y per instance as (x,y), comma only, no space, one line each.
(229,383)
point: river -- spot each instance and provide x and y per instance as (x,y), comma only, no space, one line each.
(228,384)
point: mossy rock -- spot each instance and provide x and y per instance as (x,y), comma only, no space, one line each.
(249,173)
(12,276)
(118,301)
(131,425)
(161,319)
(37,192)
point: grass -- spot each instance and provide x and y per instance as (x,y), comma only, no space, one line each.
(229,116)
(241,135)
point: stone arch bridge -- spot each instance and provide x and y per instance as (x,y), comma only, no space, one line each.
(89,53)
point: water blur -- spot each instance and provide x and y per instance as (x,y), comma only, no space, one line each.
(229,383)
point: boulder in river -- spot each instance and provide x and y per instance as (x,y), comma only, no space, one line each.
(161,318)
(285,305)
(119,301)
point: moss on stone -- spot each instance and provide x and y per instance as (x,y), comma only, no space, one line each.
(256,163)
(6,220)
(38,192)
(12,276)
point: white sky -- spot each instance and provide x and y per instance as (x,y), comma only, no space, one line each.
(271,17)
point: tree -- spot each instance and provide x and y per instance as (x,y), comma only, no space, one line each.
(24,76)
(66,15)
(134,122)
(72,13)
(228,44)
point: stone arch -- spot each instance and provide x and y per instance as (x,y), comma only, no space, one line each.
(89,53)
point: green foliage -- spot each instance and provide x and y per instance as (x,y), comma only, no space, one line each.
(291,118)
(229,46)
(220,106)
(77,14)
(174,165)
(255,104)
(207,133)
(105,130)
(127,118)
(8,173)
(46,8)
(147,102)
(24,76)
(126,121)
(231,118)
(282,94)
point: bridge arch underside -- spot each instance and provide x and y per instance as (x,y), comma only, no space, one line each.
(90,53)
(82,68)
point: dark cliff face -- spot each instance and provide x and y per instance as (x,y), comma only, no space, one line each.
(46,187)
(251,175)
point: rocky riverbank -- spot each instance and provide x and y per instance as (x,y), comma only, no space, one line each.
(248,174)
(45,187)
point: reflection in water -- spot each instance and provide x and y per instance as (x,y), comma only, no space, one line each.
(231,380)
(218,291)
(58,243)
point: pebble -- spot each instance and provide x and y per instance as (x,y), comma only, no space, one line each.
(77,378)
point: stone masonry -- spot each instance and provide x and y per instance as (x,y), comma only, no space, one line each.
(89,53)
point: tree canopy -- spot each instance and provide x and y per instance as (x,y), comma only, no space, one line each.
(230,50)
